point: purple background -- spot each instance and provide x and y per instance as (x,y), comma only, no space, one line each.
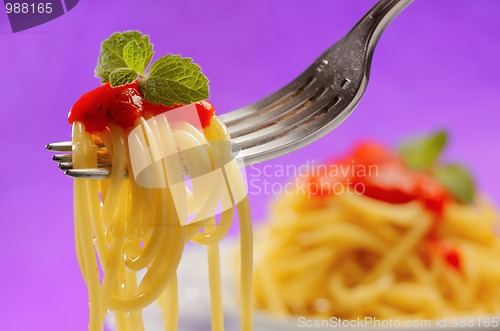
(436,66)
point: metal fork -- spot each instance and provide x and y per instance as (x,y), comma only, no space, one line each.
(303,111)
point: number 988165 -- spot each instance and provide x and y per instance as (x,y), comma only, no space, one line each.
(28,8)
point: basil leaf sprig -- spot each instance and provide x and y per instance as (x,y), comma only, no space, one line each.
(171,80)
(125,50)
(174,79)
(422,154)
(458,181)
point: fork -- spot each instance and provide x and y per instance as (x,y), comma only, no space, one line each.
(303,111)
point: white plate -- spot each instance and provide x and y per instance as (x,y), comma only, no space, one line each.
(194,305)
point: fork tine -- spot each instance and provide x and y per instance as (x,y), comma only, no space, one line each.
(293,108)
(285,125)
(64,158)
(66,146)
(88,173)
(61,146)
(269,103)
(69,165)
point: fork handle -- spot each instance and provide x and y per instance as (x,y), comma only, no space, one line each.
(369,29)
(376,20)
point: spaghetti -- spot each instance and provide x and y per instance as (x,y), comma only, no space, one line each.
(123,228)
(381,252)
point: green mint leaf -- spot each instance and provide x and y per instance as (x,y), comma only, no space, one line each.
(112,53)
(174,80)
(422,152)
(122,76)
(458,181)
(133,57)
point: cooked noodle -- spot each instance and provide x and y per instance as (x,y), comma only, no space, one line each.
(123,228)
(352,256)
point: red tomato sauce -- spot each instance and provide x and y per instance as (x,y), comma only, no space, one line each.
(122,105)
(385,178)
(390,181)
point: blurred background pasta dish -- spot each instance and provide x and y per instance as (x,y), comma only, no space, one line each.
(381,234)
